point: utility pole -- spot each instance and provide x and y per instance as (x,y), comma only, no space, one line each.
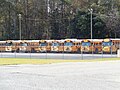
(20,17)
(91,28)
(91,12)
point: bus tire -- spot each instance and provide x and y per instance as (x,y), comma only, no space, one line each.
(12,51)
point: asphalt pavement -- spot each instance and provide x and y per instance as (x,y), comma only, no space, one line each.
(103,75)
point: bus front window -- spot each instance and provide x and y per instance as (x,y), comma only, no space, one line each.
(23,44)
(107,43)
(86,44)
(43,44)
(9,44)
(68,44)
(55,44)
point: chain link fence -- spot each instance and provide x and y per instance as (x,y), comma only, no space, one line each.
(83,55)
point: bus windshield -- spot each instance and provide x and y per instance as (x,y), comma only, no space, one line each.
(9,44)
(68,44)
(55,44)
(86,44)
(43,44)
(107,43)
(23,44)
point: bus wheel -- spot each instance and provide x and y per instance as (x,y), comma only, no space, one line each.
(12,51)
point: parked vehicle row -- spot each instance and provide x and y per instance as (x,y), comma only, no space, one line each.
(64,45)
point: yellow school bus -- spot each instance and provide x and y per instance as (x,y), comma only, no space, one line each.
(8,46)
(91,45)
(72,45)
(110,45)
(45,45)
(22,46)
(57,46)
(86,46)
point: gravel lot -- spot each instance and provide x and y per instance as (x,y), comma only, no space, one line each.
(64,76)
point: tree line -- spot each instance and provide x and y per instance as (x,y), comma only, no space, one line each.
(59,19)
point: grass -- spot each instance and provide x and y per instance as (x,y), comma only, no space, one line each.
(14,61)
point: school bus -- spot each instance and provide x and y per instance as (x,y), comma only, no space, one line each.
(57,46)
(86,46)
(71,45)
(110,45)
(8,46)
(91,46)
(45,45)
(23,46)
